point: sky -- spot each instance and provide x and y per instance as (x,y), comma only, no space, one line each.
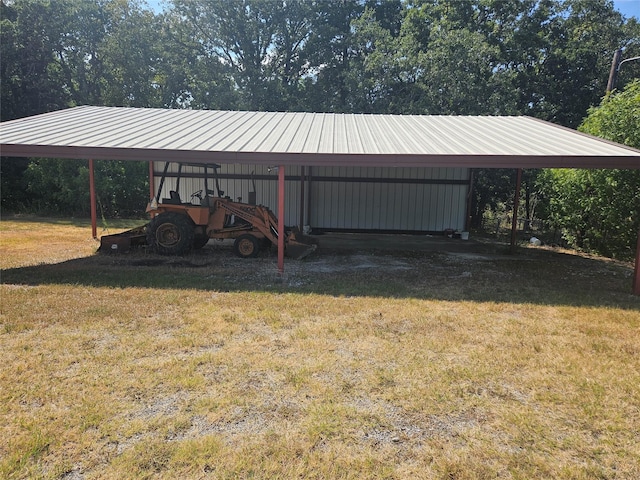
(629,8)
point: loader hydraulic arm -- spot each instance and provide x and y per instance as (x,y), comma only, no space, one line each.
(260,217)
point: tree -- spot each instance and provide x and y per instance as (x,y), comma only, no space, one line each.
(599,210)
(617,118)
(328,85)
(544,58)
(573,72)
(60,187)
(30,82)
(65,53)
(131,54)
(259,43)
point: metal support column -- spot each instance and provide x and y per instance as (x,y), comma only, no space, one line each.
(516,203)
(92,195)
(309,190)
(281,219)
(302,180)
(636,276)
(152,191)
(467,218)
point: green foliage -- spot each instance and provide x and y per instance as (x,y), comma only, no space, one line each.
(58,186)
(61,187)
(617,118)
(579,44)
(596,210)
(30,80)
(492,187)
(130,54)
(255,46)
(599,210)
(545,58)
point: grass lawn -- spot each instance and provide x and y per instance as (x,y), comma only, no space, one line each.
(354,364)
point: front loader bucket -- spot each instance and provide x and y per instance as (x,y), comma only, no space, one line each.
(123,242)
(298,246)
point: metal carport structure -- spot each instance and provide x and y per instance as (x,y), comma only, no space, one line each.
(309,139)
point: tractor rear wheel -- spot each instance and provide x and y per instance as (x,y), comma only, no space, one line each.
(246,246)
(171,234)
(200,240)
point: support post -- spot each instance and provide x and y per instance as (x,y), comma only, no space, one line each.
(302,181)
(516,203)
(636,276)
(92,196)
(467,220)
(281,219)
(309,190)
(152,181)
(152,192)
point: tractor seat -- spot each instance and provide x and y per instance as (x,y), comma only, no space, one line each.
(174,200)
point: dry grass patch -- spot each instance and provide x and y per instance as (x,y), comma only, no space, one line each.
(100,381)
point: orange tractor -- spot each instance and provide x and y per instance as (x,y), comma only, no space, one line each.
(177,227)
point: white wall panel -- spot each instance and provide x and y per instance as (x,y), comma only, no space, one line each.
(386,205)
(349,203)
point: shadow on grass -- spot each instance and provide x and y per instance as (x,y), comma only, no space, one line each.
(536,276)
(102,224)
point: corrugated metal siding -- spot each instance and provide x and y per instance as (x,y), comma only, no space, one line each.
(385,205)
(307,139)
(345,200)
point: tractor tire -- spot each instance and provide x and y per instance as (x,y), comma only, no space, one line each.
(171,234)
(200,240)
(246,246)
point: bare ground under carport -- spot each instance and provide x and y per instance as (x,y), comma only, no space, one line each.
(481,268)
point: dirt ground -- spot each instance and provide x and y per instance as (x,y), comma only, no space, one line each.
(482,268)
(426,266)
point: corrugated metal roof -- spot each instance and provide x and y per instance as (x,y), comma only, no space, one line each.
(307,139)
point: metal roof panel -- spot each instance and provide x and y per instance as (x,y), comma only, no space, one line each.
(308,139)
